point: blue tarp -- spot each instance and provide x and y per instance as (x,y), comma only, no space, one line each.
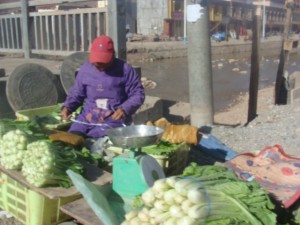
(215,148)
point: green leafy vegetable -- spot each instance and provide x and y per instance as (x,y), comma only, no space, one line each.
(161,148)
(12,149)
(15,137)
(208,195)
(45,164)
(7,125)
(92,158)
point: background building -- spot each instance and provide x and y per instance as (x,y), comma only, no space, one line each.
(166,17)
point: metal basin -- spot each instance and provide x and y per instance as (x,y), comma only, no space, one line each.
(135,136)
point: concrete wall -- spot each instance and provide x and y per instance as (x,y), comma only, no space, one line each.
(150,16)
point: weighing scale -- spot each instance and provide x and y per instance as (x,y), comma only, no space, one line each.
(133,171)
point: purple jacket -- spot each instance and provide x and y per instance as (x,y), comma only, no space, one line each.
(102,92)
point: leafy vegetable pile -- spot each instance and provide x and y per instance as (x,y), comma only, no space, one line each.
(53,120)
(161,148)
(12,149)
(8,125)
(45,163)
(208,195)
(14,137)
(24,146)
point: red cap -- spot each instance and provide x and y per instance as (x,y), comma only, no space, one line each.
(102,50)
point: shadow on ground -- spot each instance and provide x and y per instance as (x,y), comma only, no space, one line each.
(155,108)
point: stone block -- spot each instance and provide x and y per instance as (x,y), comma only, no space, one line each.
(181,109)
(151,110)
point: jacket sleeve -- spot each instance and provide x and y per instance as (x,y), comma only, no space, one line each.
(134,90)
(77,93)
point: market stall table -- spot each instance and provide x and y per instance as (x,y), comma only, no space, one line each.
(36,206)
(93,174)
(82,212)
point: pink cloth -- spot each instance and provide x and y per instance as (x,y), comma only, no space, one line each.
(276,172)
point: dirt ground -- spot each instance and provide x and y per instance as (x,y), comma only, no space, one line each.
(237,113)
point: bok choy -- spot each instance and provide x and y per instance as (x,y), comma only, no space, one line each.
(12,149)
(45,164)
(211,198)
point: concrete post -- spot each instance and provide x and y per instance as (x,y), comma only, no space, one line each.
(117,26)
(199,63)
(24,26)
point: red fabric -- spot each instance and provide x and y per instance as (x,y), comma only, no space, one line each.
(276,171)
(102,50)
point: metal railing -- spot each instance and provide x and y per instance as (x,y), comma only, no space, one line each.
(53,32)
(10,33)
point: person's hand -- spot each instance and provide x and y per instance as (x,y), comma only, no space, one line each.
(65,113)
(89,117)
(118,114)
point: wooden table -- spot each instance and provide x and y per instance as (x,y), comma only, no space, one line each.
(82,212)
(77,209)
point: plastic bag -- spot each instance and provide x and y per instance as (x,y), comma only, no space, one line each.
(96,197)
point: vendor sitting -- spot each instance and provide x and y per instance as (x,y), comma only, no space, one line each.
(109,89)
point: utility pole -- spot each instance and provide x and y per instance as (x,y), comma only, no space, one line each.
(255,58)
(264,21)
(184,22)
(25,33)
(117,26)
(199,63)
(280,86)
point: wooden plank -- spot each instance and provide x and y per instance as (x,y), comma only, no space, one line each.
(82,212)
(254,73)
(92,173)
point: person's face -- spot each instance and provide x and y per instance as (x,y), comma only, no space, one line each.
(102,66)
